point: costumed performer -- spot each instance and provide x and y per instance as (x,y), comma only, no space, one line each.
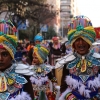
(81,79)
(42,80)
(37,40)
(13,86)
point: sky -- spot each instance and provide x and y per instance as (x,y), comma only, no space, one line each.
(91,9)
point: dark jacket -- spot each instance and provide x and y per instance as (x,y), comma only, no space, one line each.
(58,51)
(28,87)
(50,75)
(30,55)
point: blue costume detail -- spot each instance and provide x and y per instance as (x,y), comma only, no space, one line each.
(38,37)
(12,89)
(90,58)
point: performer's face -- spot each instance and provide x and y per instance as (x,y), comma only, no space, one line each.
(81,46)
(5,59)
(55,41)
(35,60)
(37,42)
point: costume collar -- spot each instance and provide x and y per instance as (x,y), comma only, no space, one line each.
(85,56)
(88,58)
(9,78)
(41,70)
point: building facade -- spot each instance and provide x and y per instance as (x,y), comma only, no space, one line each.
(68,9)
(56,21)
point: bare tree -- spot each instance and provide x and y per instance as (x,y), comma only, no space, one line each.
(36,10)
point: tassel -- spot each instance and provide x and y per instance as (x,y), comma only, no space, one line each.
(83,67)
(3,84)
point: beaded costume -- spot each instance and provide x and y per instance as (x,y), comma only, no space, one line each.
(83,81)
(42,77)
(12,84)
(41,81)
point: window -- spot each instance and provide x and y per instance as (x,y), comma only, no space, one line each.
(63,2)
(65,7)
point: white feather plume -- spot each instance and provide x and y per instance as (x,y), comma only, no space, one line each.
(39,81)
(72,82)
(92,84)
(22,96)
(81,89)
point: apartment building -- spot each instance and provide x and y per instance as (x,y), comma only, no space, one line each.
(56,21)
(68,9)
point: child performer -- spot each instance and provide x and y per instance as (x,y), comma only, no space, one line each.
(42,78)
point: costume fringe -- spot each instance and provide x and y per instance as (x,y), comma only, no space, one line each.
(37,81)
(22,96)
(92,84)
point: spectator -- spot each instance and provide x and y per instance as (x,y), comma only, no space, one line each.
(18,55)
(30,46)
(56,51)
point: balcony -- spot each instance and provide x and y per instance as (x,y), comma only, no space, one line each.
(65,7)
(65,3)
(65,15)
(65,10)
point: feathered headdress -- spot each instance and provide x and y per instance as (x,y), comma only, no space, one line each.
(81,26)
(8,40)
(41,52)
(7,27)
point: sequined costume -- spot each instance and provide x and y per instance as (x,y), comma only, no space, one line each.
(13,86)
(41,81)
(42,78)
(82,82)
